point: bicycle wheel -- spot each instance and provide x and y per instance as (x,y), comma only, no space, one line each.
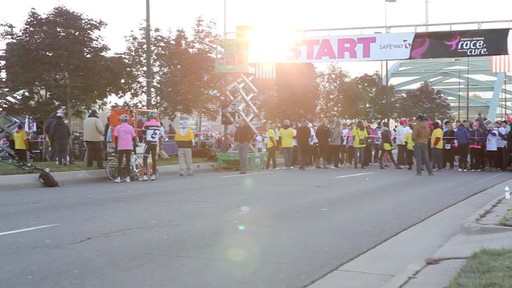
(111,169)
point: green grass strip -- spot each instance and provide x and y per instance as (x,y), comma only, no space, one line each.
(488,268)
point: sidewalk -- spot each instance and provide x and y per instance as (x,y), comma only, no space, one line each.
(401,262)
(479,232)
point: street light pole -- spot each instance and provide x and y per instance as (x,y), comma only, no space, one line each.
(225,32)
(149,70)
(467,94)
(388,104)
(458,110)
(426,15)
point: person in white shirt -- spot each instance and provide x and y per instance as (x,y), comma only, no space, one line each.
(502,142)
(295,148)
(400,142)
(313,142)
(492,146)
(259,142)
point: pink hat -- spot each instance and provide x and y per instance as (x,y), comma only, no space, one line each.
(429,123)
(402,122)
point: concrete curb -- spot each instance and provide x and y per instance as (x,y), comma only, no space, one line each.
(482,213)
(404,276)
(31,180)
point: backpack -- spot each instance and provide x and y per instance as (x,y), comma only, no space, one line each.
(48,180)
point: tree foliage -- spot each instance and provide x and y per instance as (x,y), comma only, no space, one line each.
(332,83)
(342,97)
(296,92)
(377,105)
(354,101)
(58,60)
(423,100)
(183,70)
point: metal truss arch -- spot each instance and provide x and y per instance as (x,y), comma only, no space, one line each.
(468,84)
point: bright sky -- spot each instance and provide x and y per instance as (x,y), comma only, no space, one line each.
(125,16)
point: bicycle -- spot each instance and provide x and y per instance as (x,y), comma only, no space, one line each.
(136,168)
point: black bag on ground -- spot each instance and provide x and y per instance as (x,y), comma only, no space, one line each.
(48,180)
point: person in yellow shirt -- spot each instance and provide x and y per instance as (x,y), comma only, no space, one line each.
(271,145)
(184,140)
(287,133)
(21,143)
(387,146)
(437,146)
(409,152)
(359,134)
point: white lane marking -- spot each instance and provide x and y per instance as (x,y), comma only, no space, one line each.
(354,175)
(487,178)
(242,175)
(27,229)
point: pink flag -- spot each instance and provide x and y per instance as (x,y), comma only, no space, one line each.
(501,63)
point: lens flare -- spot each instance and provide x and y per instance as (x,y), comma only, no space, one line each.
(237,255)
(249,183)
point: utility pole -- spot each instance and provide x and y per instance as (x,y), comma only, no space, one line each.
(149,69)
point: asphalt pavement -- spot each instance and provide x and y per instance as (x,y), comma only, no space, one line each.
(428,254)
(431,253)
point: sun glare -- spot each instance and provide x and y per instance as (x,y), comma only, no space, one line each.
(270,45)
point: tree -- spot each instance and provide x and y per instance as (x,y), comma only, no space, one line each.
(297,92)
(58,60)
(332,84)
(267,97)
(184,70)
(423,100)
(376,106)
(341,96)
(353,101)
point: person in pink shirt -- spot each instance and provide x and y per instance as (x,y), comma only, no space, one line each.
(125,138)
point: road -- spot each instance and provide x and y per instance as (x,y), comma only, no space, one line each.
(284,228)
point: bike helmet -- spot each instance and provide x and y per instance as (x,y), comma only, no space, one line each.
(152,115)
(124,118)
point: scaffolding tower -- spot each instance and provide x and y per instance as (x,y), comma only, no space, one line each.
(241,93)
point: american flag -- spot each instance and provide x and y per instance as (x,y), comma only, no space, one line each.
(265,70)
(501,63)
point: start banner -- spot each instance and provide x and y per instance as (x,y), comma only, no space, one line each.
(397,46)
(466,43)
(374,47)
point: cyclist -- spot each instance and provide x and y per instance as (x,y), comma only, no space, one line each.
(153,130)
(125,139)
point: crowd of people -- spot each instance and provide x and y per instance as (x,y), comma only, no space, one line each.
(433,145)
(96,134)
